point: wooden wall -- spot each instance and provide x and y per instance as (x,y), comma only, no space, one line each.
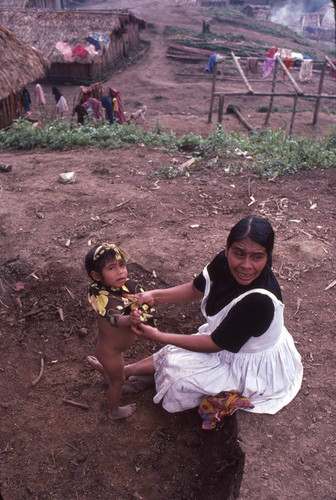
(11,108)
(47,4)
(103,66)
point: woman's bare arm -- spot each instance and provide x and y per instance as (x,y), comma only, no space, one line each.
(197,343)
(175,295)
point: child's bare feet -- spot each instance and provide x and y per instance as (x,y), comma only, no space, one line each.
(122,412)
(137,383)
(93,361)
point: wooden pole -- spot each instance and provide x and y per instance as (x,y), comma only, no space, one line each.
(290,78)
(293,116)
(276,94)
(221,108)
(331,63)
(213,89)
(241,72)
(270,107)
(320,87)
(233,109)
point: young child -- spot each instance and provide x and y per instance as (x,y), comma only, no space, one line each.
(112,296)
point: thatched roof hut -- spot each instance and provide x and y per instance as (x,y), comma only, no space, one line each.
(260,12)
(47,30)
(13,4)
(319,24)
(20,64)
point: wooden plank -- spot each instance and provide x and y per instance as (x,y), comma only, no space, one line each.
(270,107)
(186,57)
(277,94)
(213,88)
(241,72)
(290,78)
(194,50)
(221,108)
(331,63)
(233,109)
(293,116)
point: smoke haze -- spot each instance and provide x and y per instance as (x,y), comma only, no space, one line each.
(296,8)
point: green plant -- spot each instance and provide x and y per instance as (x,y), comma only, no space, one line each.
(266,152)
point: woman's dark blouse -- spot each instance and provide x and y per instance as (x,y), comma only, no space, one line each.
(251,316)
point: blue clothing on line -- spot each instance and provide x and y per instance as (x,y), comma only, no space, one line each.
(211,64)
(93,42)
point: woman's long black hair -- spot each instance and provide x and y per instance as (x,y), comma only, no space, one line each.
(256,229)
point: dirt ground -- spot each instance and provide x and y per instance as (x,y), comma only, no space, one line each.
(53,450)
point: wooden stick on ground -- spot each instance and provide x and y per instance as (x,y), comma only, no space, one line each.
(40,374)
(74,403)
(234,109)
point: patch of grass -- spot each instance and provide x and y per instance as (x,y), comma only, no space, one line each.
(325,109)
(266,152)
(276,109)
(177,30)
(168,172)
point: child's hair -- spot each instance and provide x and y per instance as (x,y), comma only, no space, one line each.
(98,256)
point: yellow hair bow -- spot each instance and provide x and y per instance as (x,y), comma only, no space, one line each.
(105,247)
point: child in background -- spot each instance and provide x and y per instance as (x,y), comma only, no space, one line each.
(112,295)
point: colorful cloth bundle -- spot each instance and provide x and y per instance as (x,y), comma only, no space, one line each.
(214,408)
(95,107)
(118,110)
(100,37)
(80,51)
(66,51)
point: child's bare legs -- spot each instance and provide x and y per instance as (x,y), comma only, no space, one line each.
(113,366)
(93,361)
(139,375)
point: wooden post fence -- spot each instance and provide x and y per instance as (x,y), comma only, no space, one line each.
(298,92)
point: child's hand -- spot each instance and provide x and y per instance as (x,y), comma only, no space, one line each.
(145,298)
(135,317)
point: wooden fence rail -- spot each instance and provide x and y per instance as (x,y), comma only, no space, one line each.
(295,95)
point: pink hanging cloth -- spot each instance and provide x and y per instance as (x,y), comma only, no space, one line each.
(65,50)
(268,66)
(39,96)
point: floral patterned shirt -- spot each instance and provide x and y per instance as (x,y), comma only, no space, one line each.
(112,303)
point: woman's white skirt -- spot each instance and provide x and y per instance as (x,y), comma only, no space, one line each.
(270,378)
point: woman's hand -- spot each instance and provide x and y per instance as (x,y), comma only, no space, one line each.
(145,298)
(147,332)
(197,343)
